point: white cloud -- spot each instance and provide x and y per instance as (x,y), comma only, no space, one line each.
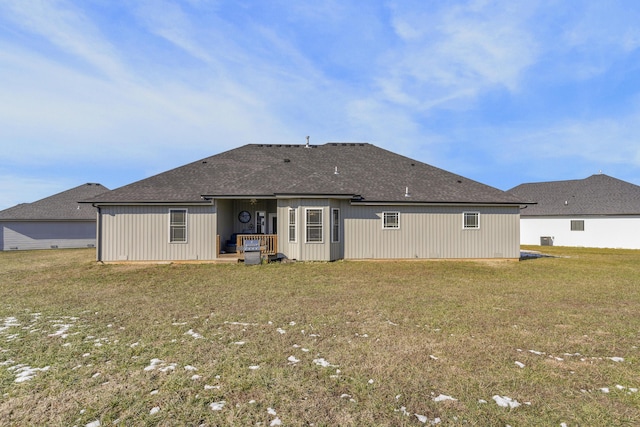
(65,26)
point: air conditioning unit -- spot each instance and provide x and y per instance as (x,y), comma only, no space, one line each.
(546,241)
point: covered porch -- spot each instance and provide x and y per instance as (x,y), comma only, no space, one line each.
(239,220)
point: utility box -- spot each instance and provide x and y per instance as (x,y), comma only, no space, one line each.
(546,241)
(251,249)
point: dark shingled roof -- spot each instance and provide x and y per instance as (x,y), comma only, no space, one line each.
(62,206)
(260,170)
(595,195)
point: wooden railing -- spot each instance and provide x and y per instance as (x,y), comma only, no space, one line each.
(268,242)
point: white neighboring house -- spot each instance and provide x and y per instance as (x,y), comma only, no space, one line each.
(598,212)
(58,221)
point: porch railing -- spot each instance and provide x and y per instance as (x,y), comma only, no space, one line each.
(268,242)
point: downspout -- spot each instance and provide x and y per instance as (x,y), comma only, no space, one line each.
(98,234)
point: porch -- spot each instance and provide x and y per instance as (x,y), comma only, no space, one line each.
(268,246)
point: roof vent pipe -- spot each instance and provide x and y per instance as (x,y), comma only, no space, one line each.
(406,192)
(307,146)
(335,172)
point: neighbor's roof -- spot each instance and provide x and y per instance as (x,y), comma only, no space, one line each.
(596,195)
(260,170)
(62,206)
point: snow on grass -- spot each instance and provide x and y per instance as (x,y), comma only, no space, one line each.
(443,397)
(292,359)
(322,362)
(95,423)
(25,373)
(217,406)
(195,335)
(506,402)
(160,365)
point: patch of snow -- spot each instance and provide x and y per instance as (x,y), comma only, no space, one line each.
(26,373)
(254,367)
(370,381)
(190,368)
(217,406)
(95,423)
(322,362)
(403,410)
(520,364)
(195,335)
(153,392)
(271,411)
(211,387)
(617,359)
(196,377)
(539,353)
(422,418)
(281,331)
(61,332)
(292,359)
(443,397)
(604,389)
(154,410)
(506,402)
(239,343)
(276,422)
(432,357)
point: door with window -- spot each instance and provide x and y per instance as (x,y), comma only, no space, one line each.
(261,222)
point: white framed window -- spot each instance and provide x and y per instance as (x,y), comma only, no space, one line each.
(292,225)
(177,226)
(577,225)
(390,220)
(471,220)
(335,225)
(314,225)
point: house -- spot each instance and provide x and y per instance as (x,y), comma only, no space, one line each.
(598,211)
(58,221)
(309,203)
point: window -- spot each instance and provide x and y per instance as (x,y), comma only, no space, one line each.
(178,225)
(471,220)
(292,225)
(314,225)
(577,225)
(390,220)
(335,225)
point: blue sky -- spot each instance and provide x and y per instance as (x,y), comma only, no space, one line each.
(502,92)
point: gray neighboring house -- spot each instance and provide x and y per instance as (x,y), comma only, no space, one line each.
(308,203)
(599,211)
(58,221)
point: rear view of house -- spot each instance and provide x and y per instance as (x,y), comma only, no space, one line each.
(598,211)
(310,203)
(58,221)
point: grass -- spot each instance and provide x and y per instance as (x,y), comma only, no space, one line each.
(397,334)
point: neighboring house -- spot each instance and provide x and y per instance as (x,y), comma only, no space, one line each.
(307,202)
(598,211)
(58,221)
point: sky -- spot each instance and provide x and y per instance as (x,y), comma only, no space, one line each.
(500,92)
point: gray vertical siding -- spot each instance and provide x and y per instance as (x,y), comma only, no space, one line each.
(301,249)
(431,232)
(26,235)
(141,233)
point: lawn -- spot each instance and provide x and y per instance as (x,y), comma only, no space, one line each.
(550,341)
